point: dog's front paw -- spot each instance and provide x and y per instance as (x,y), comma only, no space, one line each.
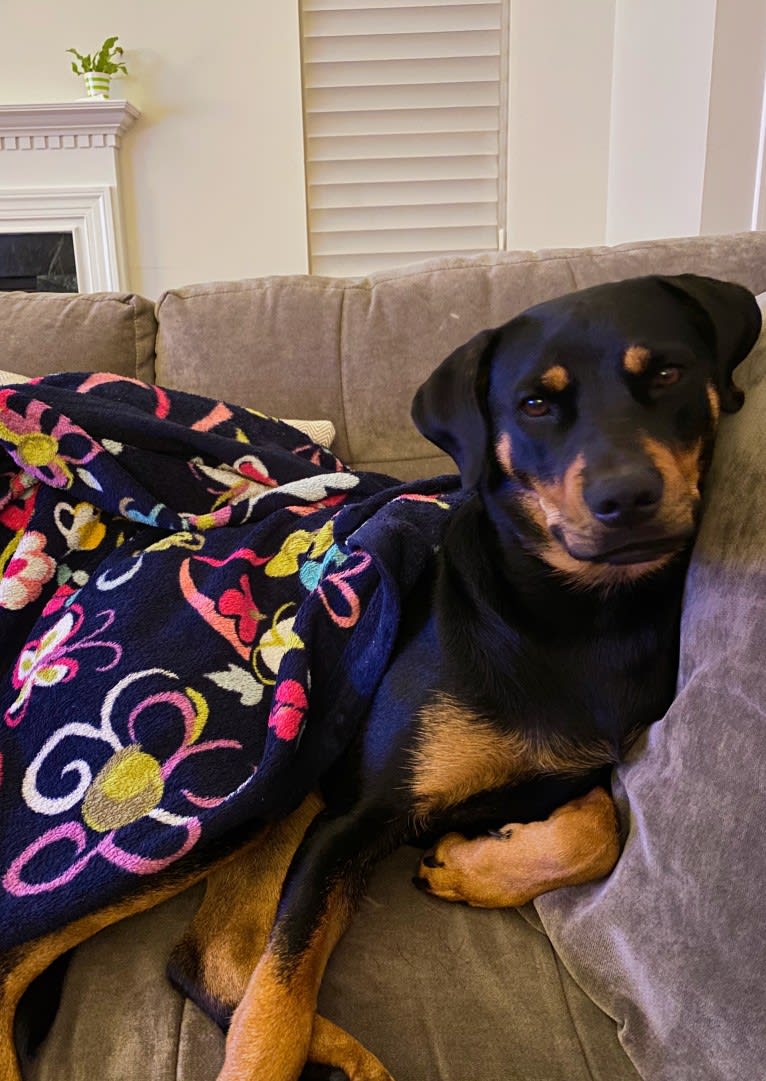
(457,869)
(577,844)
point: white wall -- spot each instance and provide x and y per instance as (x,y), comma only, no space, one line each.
(663,54)
(633,119)
(627,119)
(213,171)
(736,103)
(558,131)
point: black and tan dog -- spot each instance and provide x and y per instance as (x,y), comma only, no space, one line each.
(542,640)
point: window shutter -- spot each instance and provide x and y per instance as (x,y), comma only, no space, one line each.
(404,129)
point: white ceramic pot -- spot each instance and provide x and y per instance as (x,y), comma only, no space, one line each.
(97,84)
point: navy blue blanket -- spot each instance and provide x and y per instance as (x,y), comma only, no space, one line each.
(196,606)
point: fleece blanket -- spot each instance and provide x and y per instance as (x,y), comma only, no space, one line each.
(196,606)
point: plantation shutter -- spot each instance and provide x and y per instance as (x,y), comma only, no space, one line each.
(404,129)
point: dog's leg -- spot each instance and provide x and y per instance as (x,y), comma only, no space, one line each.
(213,962)
(577,843)
(333,1046)
(22,965)
(275,1028)
(216,958)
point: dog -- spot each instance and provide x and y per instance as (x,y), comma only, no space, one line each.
(541,641)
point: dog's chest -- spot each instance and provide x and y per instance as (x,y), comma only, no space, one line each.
(459,754)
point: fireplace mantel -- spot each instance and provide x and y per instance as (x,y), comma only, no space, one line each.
(59,172)
(65,125)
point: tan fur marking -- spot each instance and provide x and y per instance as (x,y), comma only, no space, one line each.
(332,1046)
(577,843)
(25,963)
(503,453)
(460,754)
(636,359)
(680,471)
(232,925)
(714,399)
(555,379)
(271,1030)
(562,505)
(605,576)
(563,499)
(229,936)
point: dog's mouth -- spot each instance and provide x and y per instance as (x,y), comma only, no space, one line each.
(635,551)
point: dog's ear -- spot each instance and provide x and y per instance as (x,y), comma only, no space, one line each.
(450,407)
(730,320)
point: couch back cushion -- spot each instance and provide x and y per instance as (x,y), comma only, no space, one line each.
(355,350)
(42,333)
(269,343)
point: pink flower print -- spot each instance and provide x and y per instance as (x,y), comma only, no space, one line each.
(340,599)
(288,709)
(29,569)
(60,599)
(47,661)
(17,506)
(39,452)
(239,603)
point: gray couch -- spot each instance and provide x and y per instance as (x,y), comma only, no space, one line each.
(655,973)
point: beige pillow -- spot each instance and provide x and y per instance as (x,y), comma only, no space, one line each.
(12,377)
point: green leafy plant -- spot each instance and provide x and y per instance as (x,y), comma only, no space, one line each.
(105,60)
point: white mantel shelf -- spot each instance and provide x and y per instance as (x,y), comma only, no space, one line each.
(66,125)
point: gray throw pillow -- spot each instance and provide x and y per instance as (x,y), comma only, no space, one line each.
(673,944)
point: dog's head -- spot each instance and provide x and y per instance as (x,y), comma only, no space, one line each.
(592,415)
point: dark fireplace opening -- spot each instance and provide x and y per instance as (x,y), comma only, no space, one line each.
(37,263)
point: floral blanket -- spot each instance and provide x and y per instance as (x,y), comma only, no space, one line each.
(196,606)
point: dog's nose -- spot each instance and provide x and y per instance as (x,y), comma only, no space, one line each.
(624,497)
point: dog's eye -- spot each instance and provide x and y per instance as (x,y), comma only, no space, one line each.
(534,407)
(666,376)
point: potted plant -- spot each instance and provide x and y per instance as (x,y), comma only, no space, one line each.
(98,68)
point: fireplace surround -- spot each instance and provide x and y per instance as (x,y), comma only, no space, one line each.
(59,174)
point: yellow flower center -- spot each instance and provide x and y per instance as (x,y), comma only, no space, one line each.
(128,787)
(38,449)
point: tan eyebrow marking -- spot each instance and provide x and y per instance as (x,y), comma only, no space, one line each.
(555,379)
(636,359)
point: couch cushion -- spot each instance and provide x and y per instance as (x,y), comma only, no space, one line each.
(42,333)
(671,945)
(440,992)
(270,344)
